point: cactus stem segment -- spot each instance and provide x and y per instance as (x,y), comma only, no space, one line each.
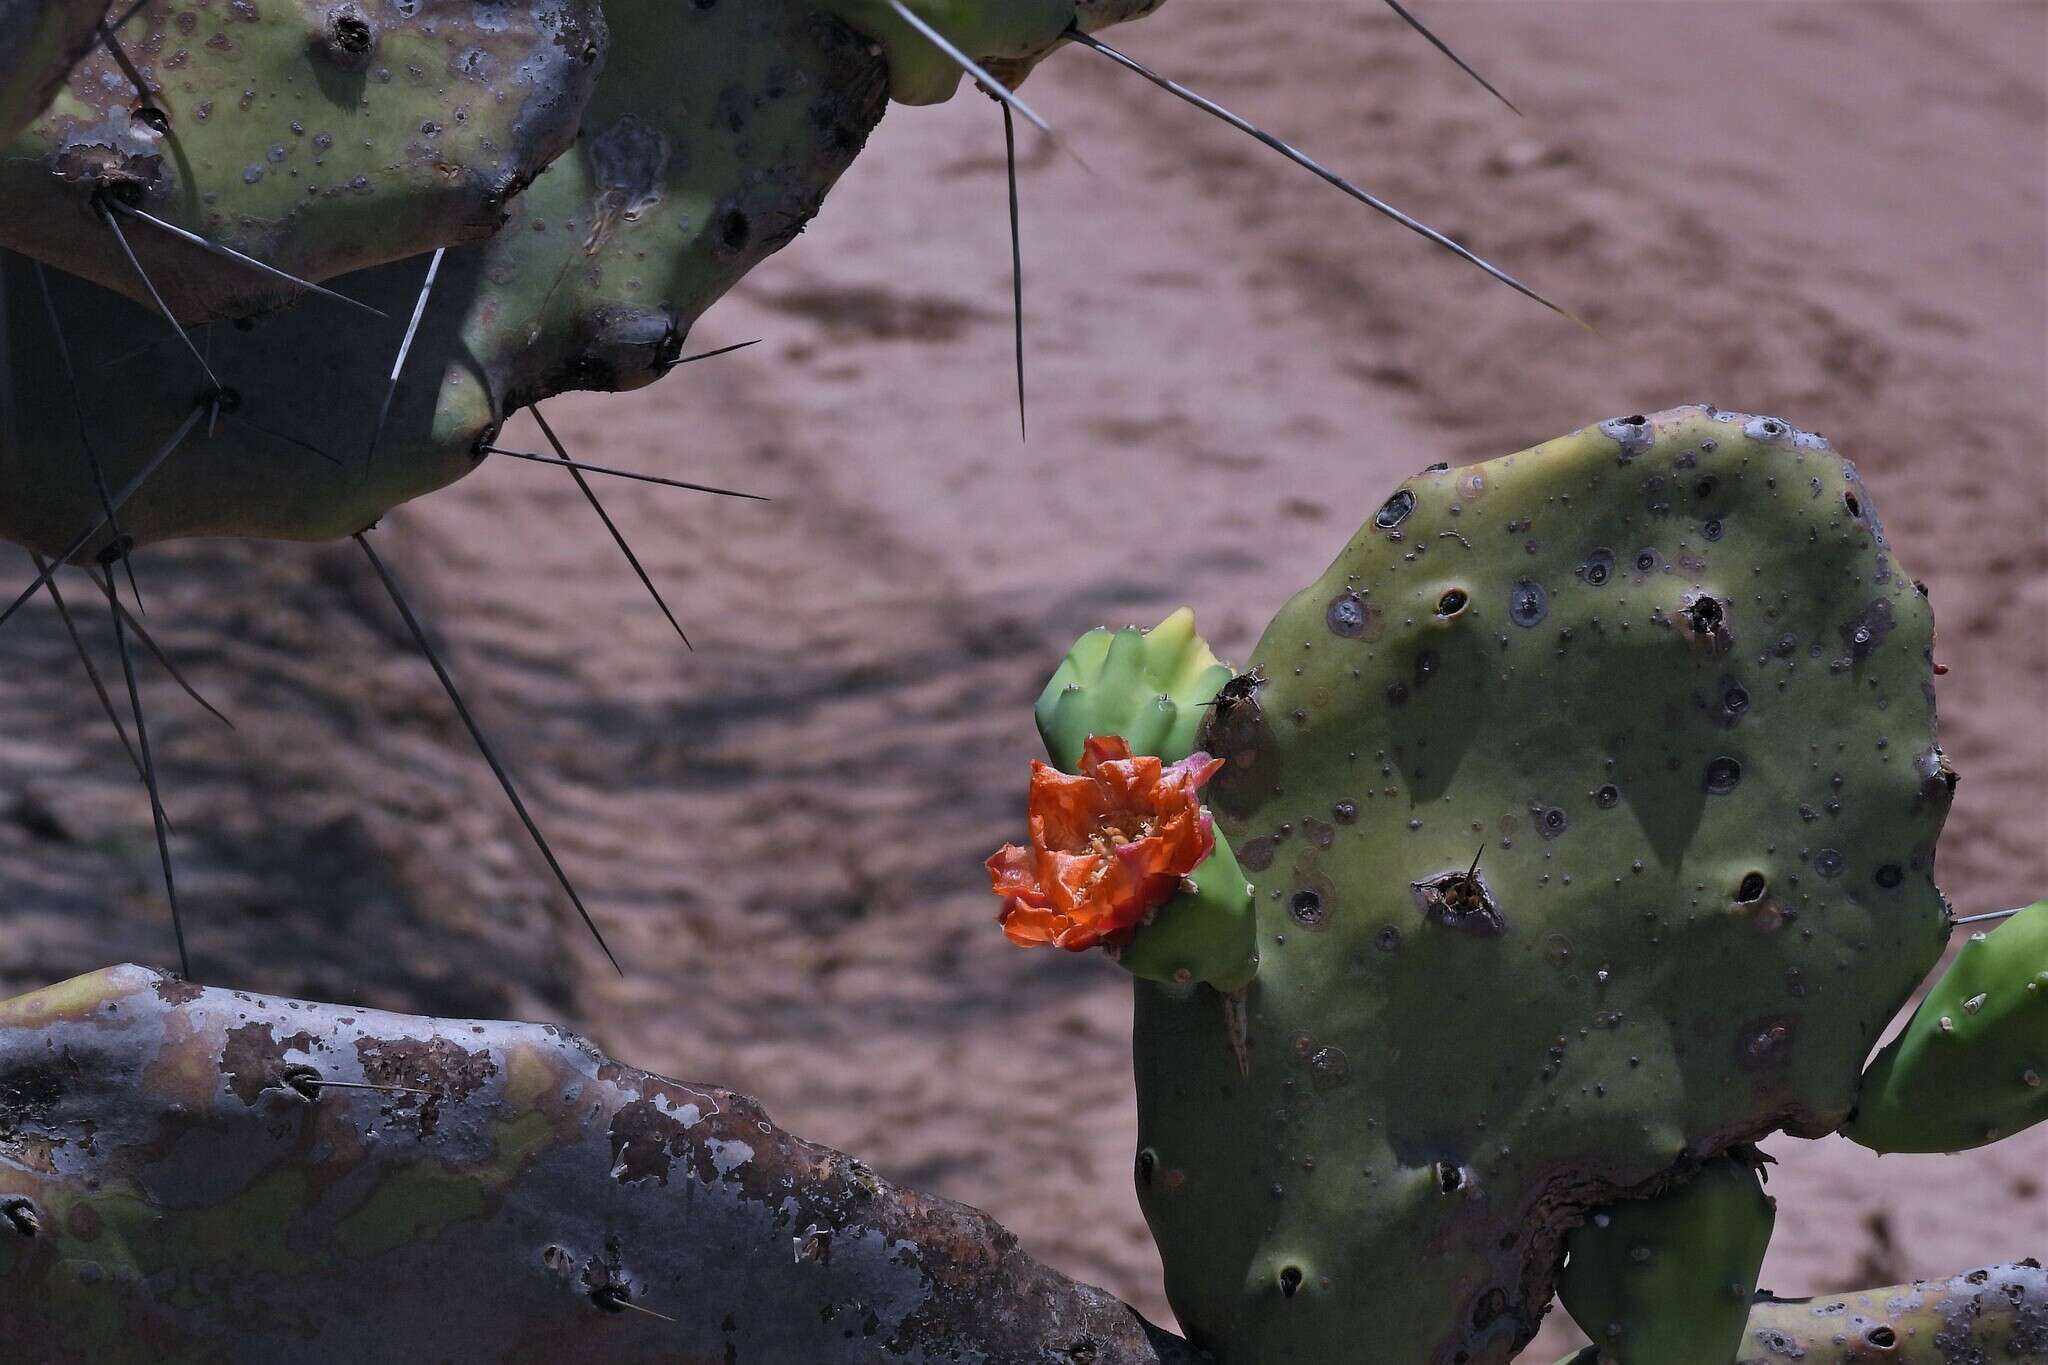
(618,536)
(412,328)
(969,65)
(483,745)
(623,473)
(1310,164)
(1443,47)
(156,802)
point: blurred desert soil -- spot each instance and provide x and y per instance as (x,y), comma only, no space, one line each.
(1833,212)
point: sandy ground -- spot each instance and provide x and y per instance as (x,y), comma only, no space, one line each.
(1833,212)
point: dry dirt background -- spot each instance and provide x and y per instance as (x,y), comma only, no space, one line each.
(1832,212)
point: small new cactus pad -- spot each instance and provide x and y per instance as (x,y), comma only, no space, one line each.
(40,41)
(1665,680)
(1149,686)
(1668,1280)
(1969,1067)
(316,137)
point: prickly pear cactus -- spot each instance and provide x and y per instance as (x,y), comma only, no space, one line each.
(40,41)
(1668,1280)
(1969,1067)
(1664,678)
(319,137)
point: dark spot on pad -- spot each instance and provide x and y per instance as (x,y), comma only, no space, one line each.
(1881,1337)
(1290,1281)
(1631,433)
(734,230)
(18,1212)
(1459,900)
(1306,909)
(1348,616)
(1257,854)
(1528,603)
(1829,863)
(252,1059)
(1451,603)
(1867,629)
(1721,776)
(1387,939)
(1551,821)
(1765,1044)
(1148,1161)
(1888,876)
(1607,797)
(1855,507)
(1395,510)
(1713,529)
(1752,888)
(1450,1177)
(1648,560)
(1597,567)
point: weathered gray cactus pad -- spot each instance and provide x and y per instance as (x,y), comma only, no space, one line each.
(1664,678)
(190,1174)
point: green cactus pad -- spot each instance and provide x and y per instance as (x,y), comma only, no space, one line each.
(711,140)
(1206,934)
(1148,686)
(1668,1280)
(40,41)
(1972,1065)
(1666,679)
(316,137)
(286,458)
(712,137)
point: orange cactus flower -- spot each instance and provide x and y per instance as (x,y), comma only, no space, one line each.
(1108,846)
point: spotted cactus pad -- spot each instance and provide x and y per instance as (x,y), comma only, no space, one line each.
(317,137)
(1666,680)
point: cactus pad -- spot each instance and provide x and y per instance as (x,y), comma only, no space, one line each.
(1997,1312)
(1972,1065)
(713,137)
(1149,686)
(1668,1280)
(1666,679)
(317,137)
